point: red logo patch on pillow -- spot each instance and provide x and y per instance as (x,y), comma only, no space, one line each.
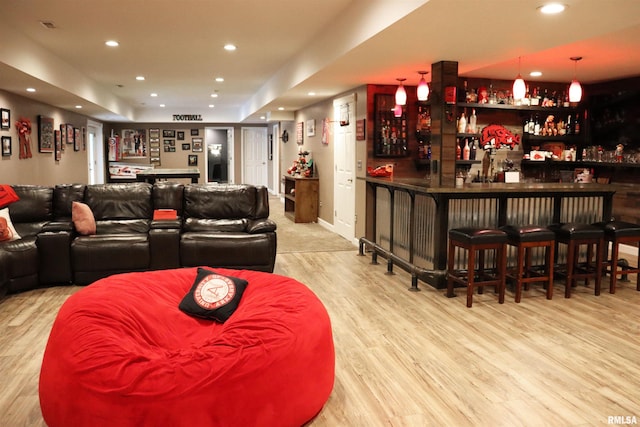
(214,291)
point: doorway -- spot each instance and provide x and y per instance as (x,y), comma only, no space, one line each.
(344,196)
(254,156)
(95,156)
(219,145)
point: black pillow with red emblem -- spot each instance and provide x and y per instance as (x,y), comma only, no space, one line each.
(213,296)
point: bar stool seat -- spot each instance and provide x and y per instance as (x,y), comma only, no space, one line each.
(525,239)
(575,235)
(618,232)
(477,240)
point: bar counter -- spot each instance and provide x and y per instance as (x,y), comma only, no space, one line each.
(408,219)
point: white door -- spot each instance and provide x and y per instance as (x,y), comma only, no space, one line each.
(254,156)
(344,196)
(95,157)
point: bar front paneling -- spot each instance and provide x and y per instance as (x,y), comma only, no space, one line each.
(411,219)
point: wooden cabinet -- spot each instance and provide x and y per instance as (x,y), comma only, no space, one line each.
(301,199)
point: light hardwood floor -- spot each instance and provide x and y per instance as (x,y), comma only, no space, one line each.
(416,359)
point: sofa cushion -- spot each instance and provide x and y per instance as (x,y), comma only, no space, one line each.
(83,218)
(7,230)
(219,201)
(7,196)
(35,204)
(223,225)
(119,201)
(63,197)
(213,296)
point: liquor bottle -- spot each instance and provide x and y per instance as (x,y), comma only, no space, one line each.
(569,130)
(536,126)
(458,150)
(472,121)
(525,127)
(472,152)
(462,123)
(566,102)
(576,125)
(429,152)
(466,152)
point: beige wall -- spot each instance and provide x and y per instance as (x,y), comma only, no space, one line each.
(323,154)
(40,169)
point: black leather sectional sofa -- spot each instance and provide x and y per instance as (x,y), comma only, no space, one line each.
(216,226)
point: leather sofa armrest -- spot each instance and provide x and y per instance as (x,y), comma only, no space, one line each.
(56,226)
(166,224)
(262,225)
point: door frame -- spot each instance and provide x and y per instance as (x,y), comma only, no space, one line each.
(95,154)
(230,151)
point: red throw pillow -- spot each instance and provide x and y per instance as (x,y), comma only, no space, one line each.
(7,195)
(7,230)
(83,218)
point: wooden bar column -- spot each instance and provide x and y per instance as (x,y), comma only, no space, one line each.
(443,124)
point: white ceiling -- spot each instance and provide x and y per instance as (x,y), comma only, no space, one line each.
(287,48)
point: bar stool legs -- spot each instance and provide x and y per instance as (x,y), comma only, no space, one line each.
(574,236)
(525,239)
(477,240)
(619,232)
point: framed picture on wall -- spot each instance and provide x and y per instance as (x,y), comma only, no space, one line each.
(197,145)
(154,133)
(180,135)
(300,133)
(70,134)
(195,132)
(168,133)
(311,127)
(76,139)
(57,136)
(6,146)
(45,134)
(193,160)
(186,146)
(5,118)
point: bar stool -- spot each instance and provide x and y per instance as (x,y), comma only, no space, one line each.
(618,232)
(575,235)
(480,240)
(525,239)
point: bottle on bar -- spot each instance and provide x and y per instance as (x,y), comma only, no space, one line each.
(466,152)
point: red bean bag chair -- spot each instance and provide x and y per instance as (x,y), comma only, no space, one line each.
(121,353)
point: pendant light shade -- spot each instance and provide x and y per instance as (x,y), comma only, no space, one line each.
(401,94)
(423,87)
(519,87)
(397,111)
(575,90)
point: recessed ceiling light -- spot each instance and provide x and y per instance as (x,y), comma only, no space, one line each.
(263,118)
(230,47)
(162,105)
(140,78)
(219,79)
(552,8)
(211,105)
(30,89)
(112,43)
(214,95)
(535,73)
(280,108)
(154,95)
(78,106)
(311,94)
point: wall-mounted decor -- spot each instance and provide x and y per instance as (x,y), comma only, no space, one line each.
(186,146)
(5,118)
(57,136)
(300,133)
(195,132)
(193,160)
(76,139)
(23,126)
(197,145)
(70,134)
(167,133)
(45,134)
(154,133)
(133,143)
(63,135)
(83,136)
(6,146)
(360,130)
(311,127)
(326,131)
(169,145)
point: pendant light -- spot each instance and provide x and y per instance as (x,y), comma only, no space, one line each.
(401,93)
(575,90)
(519,87)
(397,111)
(423,87)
